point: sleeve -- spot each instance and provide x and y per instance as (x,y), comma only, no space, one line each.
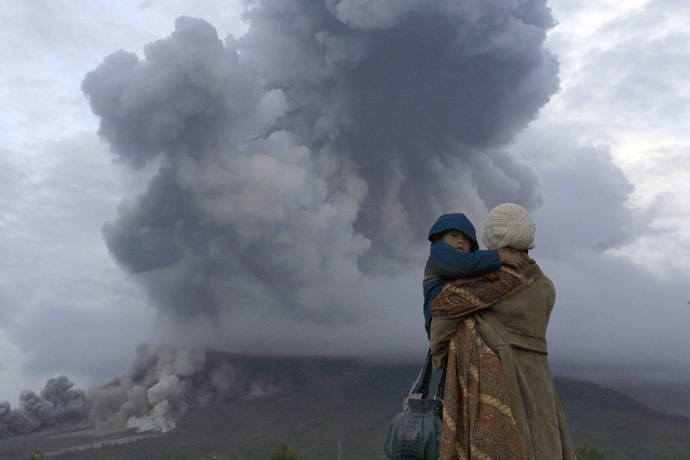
(445,263)
(442,331)
(448,262)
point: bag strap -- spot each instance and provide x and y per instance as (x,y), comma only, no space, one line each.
(441,387)
(421,384)
(420,388)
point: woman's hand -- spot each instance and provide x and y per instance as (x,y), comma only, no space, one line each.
(512,258)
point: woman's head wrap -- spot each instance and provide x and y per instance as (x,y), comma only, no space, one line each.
(509,224)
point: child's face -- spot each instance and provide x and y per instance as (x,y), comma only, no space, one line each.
(458,240)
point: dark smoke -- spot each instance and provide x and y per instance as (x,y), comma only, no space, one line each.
(314,152)
(164,383)
(159,388)
(58,406)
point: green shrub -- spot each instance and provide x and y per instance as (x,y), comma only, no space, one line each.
(284,452)
(586,451)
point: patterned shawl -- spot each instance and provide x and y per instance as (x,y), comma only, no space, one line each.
(464,296)
(478,422)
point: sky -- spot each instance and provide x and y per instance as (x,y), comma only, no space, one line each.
(146,196)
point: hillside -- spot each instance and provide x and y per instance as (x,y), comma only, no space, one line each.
(315,404)
(619,426)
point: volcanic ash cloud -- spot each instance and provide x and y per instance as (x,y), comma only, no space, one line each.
(161,386)
(312,154)
(59,405)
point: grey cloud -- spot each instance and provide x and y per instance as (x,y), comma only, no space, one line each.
(190,90)
(57,206)
(435,84)
(57,330)
(58,405)
(634,72)
(609,314)
(610,308)
(10,176)
(662,171)
(59,288)
(313,152)
(586,205)
(432,79)
(161,385)
(8,309)
(152,246)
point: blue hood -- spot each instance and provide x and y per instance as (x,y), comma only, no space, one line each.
(457,221)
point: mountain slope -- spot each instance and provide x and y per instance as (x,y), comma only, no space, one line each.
(619,426)
(318,404)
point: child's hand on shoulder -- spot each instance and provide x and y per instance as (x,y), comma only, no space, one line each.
(510,257)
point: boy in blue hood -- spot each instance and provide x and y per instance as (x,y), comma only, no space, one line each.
(455,254)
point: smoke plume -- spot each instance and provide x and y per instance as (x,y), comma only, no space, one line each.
(159,388)
(313,153)
(57,406)
(164,383)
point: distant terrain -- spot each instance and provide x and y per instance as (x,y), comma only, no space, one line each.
(318,404)
(621,427)
(669,397)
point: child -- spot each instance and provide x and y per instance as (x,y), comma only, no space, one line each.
(454,254)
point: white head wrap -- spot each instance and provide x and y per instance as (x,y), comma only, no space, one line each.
(509,224)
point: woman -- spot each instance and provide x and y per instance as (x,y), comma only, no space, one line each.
(500,402)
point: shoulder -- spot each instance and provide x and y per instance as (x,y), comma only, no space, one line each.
(546,286)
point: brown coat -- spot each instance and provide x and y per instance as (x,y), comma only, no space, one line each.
(516,330)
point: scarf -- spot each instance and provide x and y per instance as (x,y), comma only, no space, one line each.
(464,296)
(478,422)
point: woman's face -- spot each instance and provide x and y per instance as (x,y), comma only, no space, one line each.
(458,240)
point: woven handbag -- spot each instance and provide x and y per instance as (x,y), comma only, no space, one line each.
(415,433)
